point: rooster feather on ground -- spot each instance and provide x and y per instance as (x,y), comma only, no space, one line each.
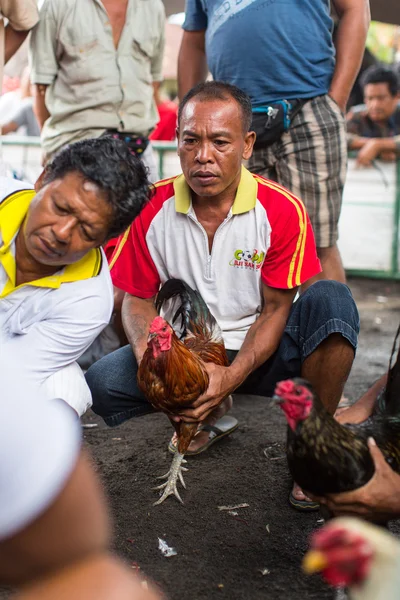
(326,457)
(172,373)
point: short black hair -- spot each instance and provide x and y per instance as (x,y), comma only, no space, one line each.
(380,74)
(109,164)
(218,90)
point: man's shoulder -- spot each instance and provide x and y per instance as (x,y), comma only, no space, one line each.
(163,191)
(272,195)
(9,186)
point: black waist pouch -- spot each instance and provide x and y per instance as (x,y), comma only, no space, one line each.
(137,144)
(270,122)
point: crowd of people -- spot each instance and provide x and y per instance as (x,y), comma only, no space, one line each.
(263,152)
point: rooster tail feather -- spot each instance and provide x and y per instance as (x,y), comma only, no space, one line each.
(192,310)
(391,398)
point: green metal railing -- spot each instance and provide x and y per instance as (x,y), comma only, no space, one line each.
(162,148)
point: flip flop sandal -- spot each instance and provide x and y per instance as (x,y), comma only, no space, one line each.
(222,428)
(303,505)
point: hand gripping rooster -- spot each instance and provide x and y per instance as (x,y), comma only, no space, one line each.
(172,373)
(326,457)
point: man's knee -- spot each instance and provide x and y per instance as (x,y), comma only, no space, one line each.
(331,300)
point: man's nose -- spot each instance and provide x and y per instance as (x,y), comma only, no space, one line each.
(205,152)
(63,229)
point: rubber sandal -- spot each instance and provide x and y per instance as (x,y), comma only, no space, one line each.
(221,429)
(303,505)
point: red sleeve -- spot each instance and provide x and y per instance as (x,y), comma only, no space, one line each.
(292,256)
(132,268)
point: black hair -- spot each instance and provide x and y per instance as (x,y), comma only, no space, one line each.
(218,90)
(380,74)
(108,163)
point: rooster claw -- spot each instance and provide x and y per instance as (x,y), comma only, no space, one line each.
(170,486)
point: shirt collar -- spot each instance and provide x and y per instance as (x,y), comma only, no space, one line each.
(245,199)
(12,213)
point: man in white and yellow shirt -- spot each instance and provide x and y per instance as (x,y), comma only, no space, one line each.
(55,288)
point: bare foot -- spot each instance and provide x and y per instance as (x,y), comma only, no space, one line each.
(202,437)
(298,494)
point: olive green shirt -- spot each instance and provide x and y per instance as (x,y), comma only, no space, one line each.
(92,86)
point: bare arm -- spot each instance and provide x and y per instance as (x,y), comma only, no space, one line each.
(354,19)
(39,104)
(9,127)
(192,62)
(260,343)
(137,315)
(13,40)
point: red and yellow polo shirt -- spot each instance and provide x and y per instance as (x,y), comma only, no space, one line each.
(266,238)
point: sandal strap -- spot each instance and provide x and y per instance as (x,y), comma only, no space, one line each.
(210,429)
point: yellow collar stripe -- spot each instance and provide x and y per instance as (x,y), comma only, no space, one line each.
(12,213)
(294,275)
(245,200)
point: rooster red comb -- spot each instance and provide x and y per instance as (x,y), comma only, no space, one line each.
(157,325)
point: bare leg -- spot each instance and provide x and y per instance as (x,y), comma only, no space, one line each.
(327,369)
(332,267)
(362,409)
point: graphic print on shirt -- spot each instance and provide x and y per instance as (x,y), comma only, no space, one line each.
(247,259)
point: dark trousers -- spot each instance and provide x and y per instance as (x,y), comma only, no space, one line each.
(324,308)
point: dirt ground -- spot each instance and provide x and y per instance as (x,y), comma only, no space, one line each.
(255,554)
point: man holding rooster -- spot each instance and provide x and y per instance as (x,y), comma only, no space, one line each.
(246,245)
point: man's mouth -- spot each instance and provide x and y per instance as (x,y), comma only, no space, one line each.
(205,177)
(48,249)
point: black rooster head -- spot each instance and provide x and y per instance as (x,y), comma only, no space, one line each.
(295,397)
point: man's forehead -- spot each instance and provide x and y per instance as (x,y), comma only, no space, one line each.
(210,109)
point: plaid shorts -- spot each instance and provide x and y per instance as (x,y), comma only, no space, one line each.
(310,160)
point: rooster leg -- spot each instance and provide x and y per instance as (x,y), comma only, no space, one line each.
(173,475)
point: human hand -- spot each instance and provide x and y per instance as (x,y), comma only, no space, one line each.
(339,100)
(219,387)
(368,153)
(378,500)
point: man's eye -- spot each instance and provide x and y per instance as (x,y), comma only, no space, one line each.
(220,143)
(60,209)
(189,140)
(87,235)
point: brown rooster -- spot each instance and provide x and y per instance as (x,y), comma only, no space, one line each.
(326,457)
(172,374)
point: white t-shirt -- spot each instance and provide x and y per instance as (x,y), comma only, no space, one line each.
(39,447)
(46,325)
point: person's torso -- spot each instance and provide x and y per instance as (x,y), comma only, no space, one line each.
(368,128)
(272,49)
(229,277)
(99,86)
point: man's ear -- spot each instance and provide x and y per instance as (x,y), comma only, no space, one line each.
(249,141)
(39,181)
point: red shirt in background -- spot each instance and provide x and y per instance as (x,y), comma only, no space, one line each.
(166,127)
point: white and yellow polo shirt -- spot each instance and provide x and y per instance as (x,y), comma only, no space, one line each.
(47,324)
(265,238)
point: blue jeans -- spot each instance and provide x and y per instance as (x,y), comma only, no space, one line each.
(324,308)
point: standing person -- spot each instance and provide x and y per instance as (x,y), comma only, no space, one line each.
(282,55)
(22,15)
(246,245)
(95,66)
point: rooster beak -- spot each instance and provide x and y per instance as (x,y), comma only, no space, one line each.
(151,336)
(276,400)
(314,562)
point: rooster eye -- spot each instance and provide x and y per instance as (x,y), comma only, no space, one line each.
(298,392)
